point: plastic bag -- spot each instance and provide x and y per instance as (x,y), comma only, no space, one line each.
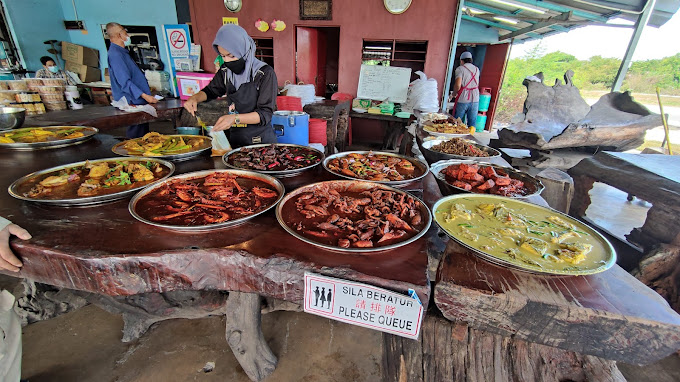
(122,104)
(220,143)
(422,94)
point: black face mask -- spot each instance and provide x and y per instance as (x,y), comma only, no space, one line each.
(236,66)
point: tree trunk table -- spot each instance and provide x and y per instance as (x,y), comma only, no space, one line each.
(651,177)
(393,126)
(330,111)
(103,249)
(105,117)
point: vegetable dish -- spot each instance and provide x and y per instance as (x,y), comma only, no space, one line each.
(156,145)
(41,134)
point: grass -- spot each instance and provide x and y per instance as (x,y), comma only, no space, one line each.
(656,144)
(648,99)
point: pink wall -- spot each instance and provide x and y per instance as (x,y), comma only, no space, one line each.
(430,20)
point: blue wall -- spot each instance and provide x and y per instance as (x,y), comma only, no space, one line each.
(471,32)
(32,22)
(126,12)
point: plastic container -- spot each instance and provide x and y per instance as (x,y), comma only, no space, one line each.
(54,82)
(50,89)
(27,97)
(191,130)
(480,124)
(52,97)
(17,85)
(51,106)
(4,85)
(192,83)
(73,99)
(8,96)
(317,131)
(291,127)
(484,99)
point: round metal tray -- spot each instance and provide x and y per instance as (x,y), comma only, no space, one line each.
(532,184)
(610,253)
(436,156)
(354,186)
(397,183)
(120,150)
(280,173)
(90,199)
(202,174)
(88,132)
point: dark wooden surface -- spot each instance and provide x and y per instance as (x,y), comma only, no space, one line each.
(103,249)
(610,315)
(651,177)
(104,117)
(330,110)
(393,126)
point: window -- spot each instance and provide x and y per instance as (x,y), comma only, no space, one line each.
(264,50)
(407,54)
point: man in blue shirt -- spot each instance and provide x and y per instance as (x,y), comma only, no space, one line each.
(127,80)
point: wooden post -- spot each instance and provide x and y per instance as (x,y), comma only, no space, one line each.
(559,188)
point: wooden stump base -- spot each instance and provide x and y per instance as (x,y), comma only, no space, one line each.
(660,270)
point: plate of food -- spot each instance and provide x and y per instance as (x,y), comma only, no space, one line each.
(435,150)
(376,166)
(484,178)
(33,138)
(523,236)
(206,200)
(447,127)
(280,160)
(172,147)
(90,182)
(353,216)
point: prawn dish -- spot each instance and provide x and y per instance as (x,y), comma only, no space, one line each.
(157,145)
(358,216)
(199,200)
(274,157)
(90,179)
(377,167)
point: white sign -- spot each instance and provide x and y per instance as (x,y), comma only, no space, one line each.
(178,42)
(382,83)
(363,305)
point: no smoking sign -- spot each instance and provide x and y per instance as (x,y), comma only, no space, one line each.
(177,42)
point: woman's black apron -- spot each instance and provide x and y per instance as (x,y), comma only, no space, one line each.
(245,101)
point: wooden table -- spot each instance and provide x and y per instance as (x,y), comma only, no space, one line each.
(610,315)
(332,111)
(103,249)
(105,117)
(394,127)
(651,177)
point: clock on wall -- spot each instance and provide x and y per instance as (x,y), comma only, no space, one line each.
(233,5)
(397,7)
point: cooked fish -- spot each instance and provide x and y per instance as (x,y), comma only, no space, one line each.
(534,246)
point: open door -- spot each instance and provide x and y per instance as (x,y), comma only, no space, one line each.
(311,47)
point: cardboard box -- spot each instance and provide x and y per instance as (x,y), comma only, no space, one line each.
(86,73)
(79,54)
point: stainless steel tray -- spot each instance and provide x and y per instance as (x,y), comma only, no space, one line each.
(278,174)
(436,156)
(201,174)
(532,184)
(419,164)
(90,199)
(355,186)
(88,132)
(120,150)
(491,199)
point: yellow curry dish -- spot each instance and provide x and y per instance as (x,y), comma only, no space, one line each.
(524,235)
(44,134)
(158,145)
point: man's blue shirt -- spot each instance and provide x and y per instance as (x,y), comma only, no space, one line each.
(127,80)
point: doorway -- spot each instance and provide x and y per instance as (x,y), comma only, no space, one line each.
(317,50)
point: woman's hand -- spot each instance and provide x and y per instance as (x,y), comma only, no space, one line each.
(7,259)
(225,122)
(191,105)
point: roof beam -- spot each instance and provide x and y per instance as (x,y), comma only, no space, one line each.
(639,26)
(532,20)
(539,25)
(495,25)
(560,8)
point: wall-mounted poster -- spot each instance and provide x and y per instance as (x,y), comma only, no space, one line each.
(316,9)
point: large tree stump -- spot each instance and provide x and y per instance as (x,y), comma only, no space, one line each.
(244,335)
(450,351)
(559,188)
(660,270)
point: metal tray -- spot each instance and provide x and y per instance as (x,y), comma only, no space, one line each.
(90,199)
(280,173)
(534,185)
(88,132)
(609,255)
(436,156)
(355,186)
(120,150)
(201,174)
(422,166)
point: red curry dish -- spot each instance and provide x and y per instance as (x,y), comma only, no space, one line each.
(375,217)
(215,198)
(375,167)
(273,158)
(484,180)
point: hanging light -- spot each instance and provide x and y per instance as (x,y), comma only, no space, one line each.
(505,20)
(520,5)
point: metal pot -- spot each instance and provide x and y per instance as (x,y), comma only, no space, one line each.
(11,117)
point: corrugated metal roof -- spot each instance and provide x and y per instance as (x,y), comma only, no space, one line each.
(524,20)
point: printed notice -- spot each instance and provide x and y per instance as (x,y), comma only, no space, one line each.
(363,305)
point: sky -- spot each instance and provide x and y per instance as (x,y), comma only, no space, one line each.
(610,42)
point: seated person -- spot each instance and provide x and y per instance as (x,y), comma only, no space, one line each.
(51,70)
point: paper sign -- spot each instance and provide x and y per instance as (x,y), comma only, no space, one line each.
(363,305)
(230,20)
(178,42)
(383,83)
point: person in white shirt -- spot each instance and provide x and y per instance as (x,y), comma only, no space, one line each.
(466,88)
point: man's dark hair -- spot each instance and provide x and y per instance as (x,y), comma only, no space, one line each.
(46,59)
(467,60)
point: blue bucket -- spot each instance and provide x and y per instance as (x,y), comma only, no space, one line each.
(484,101)
(481,123)
(291,127)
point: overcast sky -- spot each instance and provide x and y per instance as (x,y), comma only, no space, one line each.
(610,42)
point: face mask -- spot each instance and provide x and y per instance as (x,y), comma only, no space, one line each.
(236,66)
(53,69)
(128,41)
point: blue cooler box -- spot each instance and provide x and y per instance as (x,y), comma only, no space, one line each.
(291,127)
